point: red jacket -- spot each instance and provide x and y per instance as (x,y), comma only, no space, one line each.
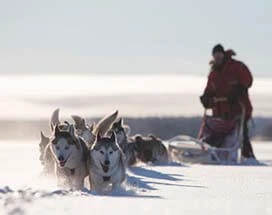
(222,83)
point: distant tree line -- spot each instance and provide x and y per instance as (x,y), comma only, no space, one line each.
(164,127)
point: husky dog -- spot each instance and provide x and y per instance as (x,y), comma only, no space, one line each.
(88,133)
(150,149)
(145,149)
(70,157)
(83,130)
(46,156)
(127,145)
(106,164)
(121,131)
(43,143)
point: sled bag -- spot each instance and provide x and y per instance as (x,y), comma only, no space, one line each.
(214,130)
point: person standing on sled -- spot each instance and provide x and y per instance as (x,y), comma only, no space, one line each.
(231,79)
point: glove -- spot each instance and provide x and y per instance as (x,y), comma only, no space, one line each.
(206,101)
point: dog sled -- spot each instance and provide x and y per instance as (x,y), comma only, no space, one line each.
(219,141)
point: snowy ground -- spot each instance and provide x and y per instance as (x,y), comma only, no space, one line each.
(173,189)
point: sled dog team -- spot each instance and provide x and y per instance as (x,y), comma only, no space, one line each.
(100,152)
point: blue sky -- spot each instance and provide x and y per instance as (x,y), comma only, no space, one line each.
(83,36)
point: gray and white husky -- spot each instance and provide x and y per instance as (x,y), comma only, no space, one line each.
(121,131)
(70,157)
(127,144)
(106,164)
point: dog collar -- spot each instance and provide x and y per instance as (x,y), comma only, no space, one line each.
(106,178)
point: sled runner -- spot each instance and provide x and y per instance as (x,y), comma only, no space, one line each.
(219,141)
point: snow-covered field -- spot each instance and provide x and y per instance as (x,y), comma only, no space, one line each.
(172,189)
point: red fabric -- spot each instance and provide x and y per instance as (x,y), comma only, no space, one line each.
(214,130)
(218,127)
(221,84)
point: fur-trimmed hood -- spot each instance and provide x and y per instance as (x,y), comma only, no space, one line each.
(228,55)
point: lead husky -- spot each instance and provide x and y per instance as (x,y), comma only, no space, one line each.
(106,164)
(70,157)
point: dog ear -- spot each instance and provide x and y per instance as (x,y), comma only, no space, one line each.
(56,130)
(113,138)
(43,137)
(104,125)
(54,120)
(98,137)
(120,122)
(71,130)
(79,121)
(92,126)
(44,142)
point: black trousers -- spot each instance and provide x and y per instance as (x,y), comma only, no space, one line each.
(247,150)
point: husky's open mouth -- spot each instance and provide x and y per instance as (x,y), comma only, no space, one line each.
(62,163)
(105,167)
